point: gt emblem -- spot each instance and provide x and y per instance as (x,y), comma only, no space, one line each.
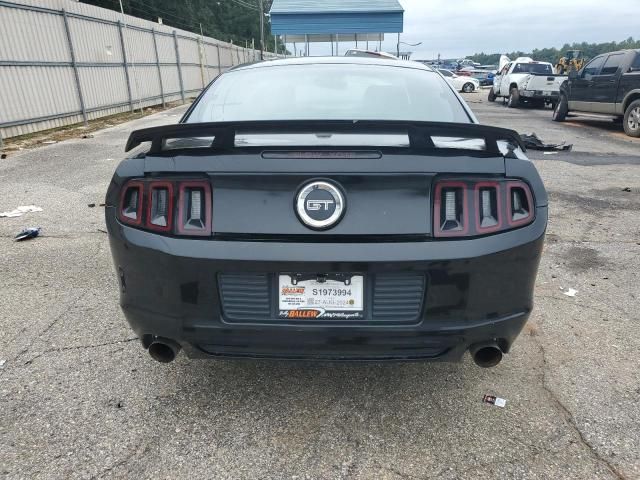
(313,205)
(320,205)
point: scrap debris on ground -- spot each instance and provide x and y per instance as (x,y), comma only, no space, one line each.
(493,400)
(27,233)
(533,142)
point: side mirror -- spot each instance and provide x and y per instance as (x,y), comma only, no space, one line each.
(573,74)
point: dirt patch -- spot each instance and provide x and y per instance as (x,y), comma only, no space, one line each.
(621,201)
(581,259)
(531,329)
(624,193)
(551,238)
(77,130)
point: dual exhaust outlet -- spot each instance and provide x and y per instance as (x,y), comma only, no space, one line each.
(165,350)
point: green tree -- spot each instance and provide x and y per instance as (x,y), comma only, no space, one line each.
(552,54)
(227,20)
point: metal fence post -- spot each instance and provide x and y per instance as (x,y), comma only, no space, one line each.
(75,68)
(201,62)
(126,65)
(175,42)
(155,47)
(219,59)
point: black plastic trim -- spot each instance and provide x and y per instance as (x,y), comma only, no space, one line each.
(419,132)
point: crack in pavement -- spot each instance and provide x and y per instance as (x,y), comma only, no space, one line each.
(124,461)
(554,240)
(395,471)
(47,328)
(570,420)
(463,473)
(78,347)
(73,305)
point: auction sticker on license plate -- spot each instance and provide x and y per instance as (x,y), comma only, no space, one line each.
(327,299)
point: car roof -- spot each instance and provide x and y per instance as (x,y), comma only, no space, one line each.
(625,50)
(335,60)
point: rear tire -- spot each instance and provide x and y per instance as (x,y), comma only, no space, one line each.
(468,87)
(514,98)
(492,95)
(631,120)
(561,110)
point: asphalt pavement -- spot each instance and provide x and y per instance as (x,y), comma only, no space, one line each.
(79,397)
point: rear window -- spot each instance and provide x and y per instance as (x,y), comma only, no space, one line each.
(541,68)
(363,53)
(329,92)
(612,64)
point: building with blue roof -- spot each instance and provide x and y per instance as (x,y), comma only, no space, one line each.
(308,21)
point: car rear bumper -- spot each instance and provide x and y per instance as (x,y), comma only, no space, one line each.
(540,94)
(473,292)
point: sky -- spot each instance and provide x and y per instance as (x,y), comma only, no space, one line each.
(456,28)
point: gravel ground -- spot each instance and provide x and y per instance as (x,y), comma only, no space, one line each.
(81,399)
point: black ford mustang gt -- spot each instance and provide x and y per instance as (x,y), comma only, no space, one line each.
(329,209)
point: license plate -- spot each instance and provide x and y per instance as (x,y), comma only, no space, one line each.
(327,298)
(547,94)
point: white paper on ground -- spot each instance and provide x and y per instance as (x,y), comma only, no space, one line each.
(21,210)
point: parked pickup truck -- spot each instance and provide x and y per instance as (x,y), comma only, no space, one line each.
(524,80)
(610,85)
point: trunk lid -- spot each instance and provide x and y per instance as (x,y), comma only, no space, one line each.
(386,179)
(385,193)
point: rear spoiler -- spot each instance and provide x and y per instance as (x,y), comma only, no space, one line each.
(419,133)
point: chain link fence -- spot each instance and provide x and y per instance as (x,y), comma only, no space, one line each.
(64,62)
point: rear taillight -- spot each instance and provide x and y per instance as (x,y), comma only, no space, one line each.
(519,204)
(131,201)
(194,208)
(152,205)
(470,208)
(160,206)
(488,207)
(451,210)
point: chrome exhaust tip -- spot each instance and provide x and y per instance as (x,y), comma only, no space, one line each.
(486,355)
(164,350)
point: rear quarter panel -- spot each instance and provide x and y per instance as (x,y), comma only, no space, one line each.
(628,89)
